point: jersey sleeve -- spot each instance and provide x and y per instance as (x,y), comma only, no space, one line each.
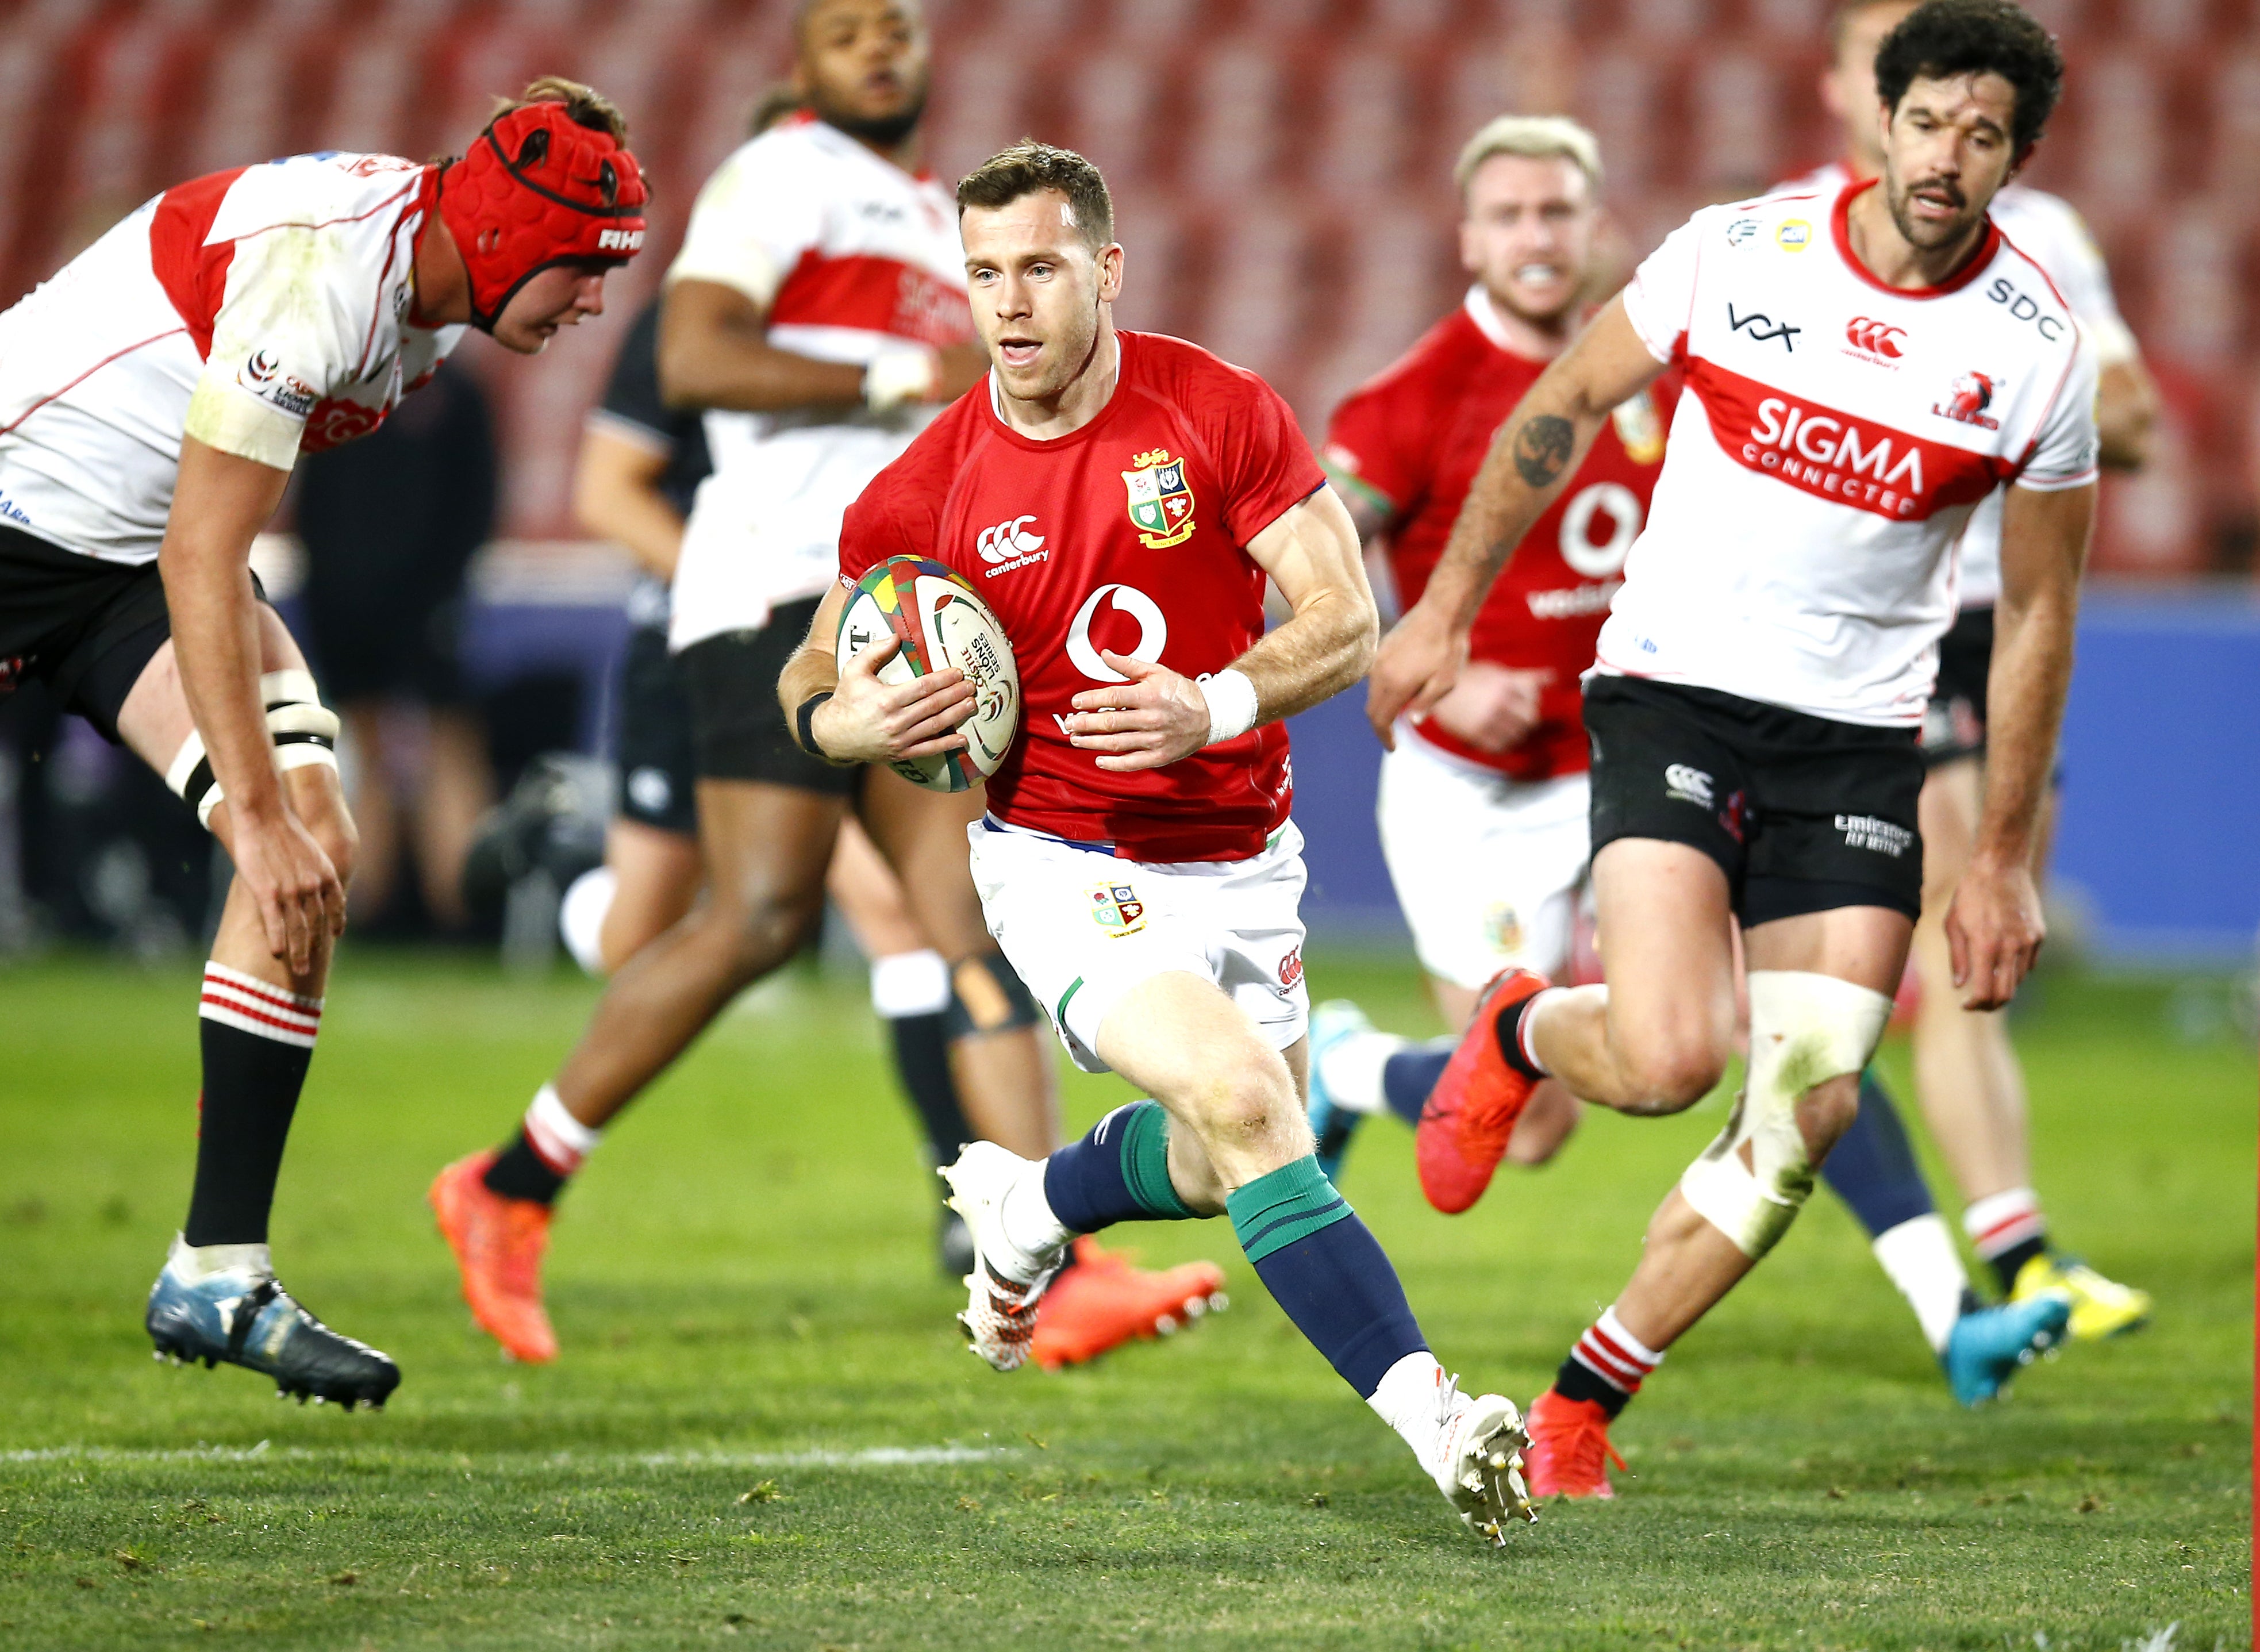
(283,337)
(1264,464)
(752,220)
(1366,449)
(632,409)
(2063,453)
(1660,299)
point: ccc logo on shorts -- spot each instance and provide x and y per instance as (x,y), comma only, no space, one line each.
(1687,784)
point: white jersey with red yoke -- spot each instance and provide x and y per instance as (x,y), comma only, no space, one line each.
(1836,435)
(2047,229)
(849,256)
(263,310)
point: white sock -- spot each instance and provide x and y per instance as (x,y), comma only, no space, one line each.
(905,984)
(1529,1025)
(1028,1226)
(191,1263)
(1406,1401)
(560,1141)
(1919,1255)
(581,917)
(1351,1069)
(2003,1221)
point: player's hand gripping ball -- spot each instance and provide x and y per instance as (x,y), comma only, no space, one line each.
(942,625)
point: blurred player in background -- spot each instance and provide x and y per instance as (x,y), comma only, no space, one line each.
(1755,705)
(816,312)
(1137,861)
(1967,1076)
(1488,847)
(154,396)
(1482,803)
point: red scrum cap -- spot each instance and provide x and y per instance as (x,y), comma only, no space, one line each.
(539,188)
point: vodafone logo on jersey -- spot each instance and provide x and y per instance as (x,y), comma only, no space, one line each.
(1128,603)
(1828,452)
(1008,545)
(1869,337)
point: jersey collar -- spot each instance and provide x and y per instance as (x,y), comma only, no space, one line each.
(1099,420)
(1840,229)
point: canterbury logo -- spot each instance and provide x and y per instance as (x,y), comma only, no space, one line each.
(1862,333)
(1008,540)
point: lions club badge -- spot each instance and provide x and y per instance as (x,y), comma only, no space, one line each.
(1161,500)
(1116,909)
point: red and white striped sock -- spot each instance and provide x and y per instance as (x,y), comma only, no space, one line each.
(1614,1354)
(558,1139)
(2000,1222)
(249,1004)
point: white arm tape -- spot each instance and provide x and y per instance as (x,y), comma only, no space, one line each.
(899,374)
(1806,1029)
(1231,707)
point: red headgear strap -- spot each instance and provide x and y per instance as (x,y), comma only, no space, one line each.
(539,188)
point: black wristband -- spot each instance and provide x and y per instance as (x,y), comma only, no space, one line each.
(804,722)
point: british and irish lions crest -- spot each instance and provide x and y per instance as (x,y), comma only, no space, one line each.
(1161,499)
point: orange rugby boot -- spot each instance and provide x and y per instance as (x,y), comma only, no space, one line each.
(1569,1451)
(1471,1112)
(1102,1302)
(499,1244)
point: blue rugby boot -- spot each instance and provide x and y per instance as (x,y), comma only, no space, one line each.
(1989,1346)
(1333,1125)
(244,1317)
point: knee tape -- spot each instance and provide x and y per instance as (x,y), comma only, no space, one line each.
(304,730)
(1806,1029)
(986,997)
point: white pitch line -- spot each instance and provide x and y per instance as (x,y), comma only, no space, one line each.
(870,1457)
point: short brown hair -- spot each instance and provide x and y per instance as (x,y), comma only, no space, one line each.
(585,105)
(1029,167)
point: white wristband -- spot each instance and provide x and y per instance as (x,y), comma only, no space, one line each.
(1231,699)
(899,374)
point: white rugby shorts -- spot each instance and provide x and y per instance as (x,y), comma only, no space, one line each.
(1487,869)
(1083,927)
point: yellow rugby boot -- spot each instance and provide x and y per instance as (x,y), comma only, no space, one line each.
(2100,1308)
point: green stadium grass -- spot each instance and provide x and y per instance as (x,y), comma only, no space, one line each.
(752,1322)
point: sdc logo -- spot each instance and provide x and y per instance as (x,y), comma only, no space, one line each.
(1877,337)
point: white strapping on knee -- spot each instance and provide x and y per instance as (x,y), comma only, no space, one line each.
(1806,1029)
(905,984)
(304,731)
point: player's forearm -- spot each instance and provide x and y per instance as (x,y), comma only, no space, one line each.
(639,518)
(714,352)
(1327,646)
(2126,411)
(2044,548)
(214,625)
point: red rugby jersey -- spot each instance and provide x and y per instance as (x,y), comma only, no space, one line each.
(1129,535)
(1413,437)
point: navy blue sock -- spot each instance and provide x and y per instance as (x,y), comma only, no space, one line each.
(1872,1166)
(1407,1076)
(1322,1265)
(1117,1173)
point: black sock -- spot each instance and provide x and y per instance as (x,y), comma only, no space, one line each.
(256,1040)
(2007,1264)
(1508,1026)
(1573,1381)
(519,1172)
(921,1045)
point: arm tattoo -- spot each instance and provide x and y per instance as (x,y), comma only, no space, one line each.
(1542,446)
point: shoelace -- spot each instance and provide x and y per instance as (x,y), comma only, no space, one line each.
(1587,1444)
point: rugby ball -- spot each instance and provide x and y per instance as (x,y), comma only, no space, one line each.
(942,624)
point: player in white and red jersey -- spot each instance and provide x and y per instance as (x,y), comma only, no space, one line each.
(817,313)
(1760,684)
(155,395)
(1118,499)
(1482,803)
(1967,1073)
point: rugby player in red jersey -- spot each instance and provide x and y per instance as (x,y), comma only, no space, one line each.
(154,397)
(1482,803)
(1760,684)
(1137,862)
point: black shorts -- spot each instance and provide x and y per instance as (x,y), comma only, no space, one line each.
(1803,814)
(1954,723)
(85,627)
(737,728)
(659,774)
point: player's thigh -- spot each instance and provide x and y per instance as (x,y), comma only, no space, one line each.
(922,836)
(765,849)
(1864,945)
(1952,795)
(1665,922)
(154,721)
(1187,1043)
(867,894)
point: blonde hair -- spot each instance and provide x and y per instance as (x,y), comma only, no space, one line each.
(1539,137)
(585,105)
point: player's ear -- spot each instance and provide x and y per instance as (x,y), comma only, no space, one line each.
(1109,272)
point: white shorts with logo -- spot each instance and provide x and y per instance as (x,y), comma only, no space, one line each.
(1487,869)
(1083,927)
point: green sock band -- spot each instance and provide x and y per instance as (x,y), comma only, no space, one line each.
(1283,1206)
(1145,1162)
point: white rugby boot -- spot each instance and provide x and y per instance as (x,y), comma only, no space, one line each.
(1477,1463)
(1000,1311)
